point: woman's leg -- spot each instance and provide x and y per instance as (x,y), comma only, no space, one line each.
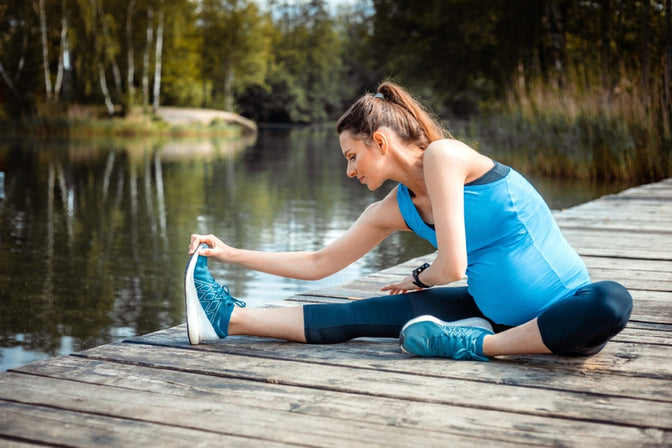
(280,323)
(523,339)
(583,323)
(384,316)
(579,325)
(381,316)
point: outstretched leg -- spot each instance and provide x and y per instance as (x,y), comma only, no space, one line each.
(280,323)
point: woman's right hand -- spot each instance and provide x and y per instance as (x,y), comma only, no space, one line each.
(217,249)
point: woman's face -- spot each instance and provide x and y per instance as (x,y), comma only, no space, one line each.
(364,162)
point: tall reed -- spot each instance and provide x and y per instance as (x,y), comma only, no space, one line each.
(583,131)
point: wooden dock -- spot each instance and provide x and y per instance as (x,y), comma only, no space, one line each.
(156,390)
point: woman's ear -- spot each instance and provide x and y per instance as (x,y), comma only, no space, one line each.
(381,141)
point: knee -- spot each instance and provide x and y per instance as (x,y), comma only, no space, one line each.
(612,306)
(582,324)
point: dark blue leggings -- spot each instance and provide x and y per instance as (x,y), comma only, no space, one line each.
(578,325)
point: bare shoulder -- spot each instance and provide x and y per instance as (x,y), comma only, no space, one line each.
(453,156)
(448,149)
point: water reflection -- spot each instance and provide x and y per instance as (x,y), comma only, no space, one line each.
(93,234)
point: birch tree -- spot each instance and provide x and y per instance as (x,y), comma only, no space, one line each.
(64,53)
(130,72)
(45,50)
(145,58)
(110,48)
(157,60)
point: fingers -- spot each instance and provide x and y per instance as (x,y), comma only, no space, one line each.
(402,287)
(197,240)
(394,289)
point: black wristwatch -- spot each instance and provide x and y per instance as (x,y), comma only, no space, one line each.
(416,273)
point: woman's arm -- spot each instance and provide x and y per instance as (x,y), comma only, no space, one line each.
(446,165)
(378,221)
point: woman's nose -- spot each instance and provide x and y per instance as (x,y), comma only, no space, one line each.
(350,171)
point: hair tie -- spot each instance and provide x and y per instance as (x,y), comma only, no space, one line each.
(379,95)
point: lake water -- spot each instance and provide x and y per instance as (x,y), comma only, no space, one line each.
(94,233)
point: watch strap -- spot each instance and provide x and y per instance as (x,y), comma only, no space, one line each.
(416,278)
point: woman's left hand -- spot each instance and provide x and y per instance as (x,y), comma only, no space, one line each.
(402,287)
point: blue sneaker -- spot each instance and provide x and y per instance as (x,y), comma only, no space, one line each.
(209,305)
(429,336)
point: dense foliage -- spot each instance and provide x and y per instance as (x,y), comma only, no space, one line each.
(301,61)
(548,67)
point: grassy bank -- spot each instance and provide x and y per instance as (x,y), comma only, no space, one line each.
(82,121)
(578,133)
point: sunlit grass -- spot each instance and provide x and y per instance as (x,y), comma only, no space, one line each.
(82,121)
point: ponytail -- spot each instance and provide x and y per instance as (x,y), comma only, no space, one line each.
(396,109)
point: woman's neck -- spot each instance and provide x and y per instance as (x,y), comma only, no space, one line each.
(411,170)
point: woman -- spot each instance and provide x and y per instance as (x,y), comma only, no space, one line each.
(528,291)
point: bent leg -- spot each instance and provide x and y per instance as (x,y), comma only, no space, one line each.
(524,339)
(579,325)
(582,324)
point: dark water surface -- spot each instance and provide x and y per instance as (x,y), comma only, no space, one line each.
(94,234)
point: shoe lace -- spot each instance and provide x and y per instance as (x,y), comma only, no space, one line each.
(224,294)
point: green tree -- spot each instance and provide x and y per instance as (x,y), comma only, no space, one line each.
(235,49)
(304,77)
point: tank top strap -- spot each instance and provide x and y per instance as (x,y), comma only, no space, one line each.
(411,216)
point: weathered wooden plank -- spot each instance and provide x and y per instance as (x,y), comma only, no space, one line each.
(617,241)
(621,207)
(661,268)
(433,387)
(7,443)
(646,280)
(650,311)
(659,190)
(551,371)
(277,399)
(244,418)
(644,333)
(647,226)
(61,427)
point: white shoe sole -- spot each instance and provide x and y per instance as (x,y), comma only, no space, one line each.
(199,328)
(476,322)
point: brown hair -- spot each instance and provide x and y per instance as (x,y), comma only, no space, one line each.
(395,108)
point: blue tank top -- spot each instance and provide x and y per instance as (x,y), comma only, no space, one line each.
(518,261)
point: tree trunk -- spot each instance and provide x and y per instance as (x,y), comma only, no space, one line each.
(100,59)
(157,61)
(45,50)
(63,54)
(116,73)
(145,58)
(9,82)
(103,87)
(22,59)
(228,88)
(131,65)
